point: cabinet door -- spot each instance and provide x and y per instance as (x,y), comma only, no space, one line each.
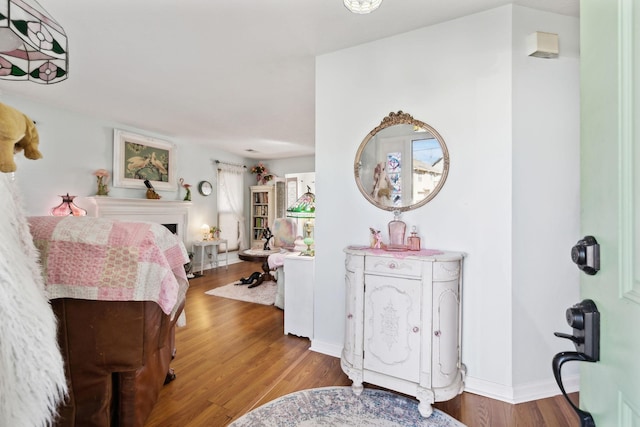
(392,326)
(354,282)
(446,325)
(350,313)
(298,295)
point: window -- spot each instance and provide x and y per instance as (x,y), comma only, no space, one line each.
(231,205)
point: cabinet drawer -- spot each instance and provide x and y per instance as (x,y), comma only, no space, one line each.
(393,266)
(444,271)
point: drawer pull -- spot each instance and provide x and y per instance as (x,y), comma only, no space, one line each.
(350,316)
(416,329)
(393,265)
(437,333)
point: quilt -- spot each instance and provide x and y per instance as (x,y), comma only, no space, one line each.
(110,260)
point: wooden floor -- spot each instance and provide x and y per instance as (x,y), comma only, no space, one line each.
(233,356)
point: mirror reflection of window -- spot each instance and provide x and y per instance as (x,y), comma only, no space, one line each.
(427,166)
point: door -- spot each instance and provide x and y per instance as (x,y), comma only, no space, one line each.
(610,197)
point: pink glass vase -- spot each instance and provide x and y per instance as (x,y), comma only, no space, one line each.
(397,231)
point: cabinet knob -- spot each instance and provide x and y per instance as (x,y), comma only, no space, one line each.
(350,316)
(416,329)
(437,333)
(392,265)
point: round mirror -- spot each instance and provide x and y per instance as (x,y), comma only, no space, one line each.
(401,164)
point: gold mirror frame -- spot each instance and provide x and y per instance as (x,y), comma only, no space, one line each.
(393,119)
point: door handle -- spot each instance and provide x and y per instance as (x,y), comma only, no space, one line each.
(586,419)
(584,318)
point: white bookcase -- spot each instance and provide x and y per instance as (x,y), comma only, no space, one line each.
(262,212)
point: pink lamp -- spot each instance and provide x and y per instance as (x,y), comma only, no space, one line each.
(67,207)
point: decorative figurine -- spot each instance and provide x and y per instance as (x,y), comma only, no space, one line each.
(151,193)
(267,234)
(187,196)
(376,239)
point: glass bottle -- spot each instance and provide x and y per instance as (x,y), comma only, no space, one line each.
(397,231)
(414,240)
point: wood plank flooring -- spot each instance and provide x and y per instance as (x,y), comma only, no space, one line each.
(233,356)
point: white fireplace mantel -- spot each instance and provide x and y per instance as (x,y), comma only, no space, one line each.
(160,211)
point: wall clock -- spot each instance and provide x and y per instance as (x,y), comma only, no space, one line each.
(205,188)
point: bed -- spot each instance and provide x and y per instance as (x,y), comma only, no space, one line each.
(117,289)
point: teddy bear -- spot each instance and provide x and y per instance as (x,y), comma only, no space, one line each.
(17,133)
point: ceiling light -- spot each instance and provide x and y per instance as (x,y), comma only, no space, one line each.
(362,6)
(34,45)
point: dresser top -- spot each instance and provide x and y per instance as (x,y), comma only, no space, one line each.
(422,254)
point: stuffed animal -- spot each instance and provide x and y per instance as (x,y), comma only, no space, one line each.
(17,132)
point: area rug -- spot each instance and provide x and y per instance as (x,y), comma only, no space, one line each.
(340,407)
(264,294)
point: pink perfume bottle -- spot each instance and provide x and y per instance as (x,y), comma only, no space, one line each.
(413,241)
(397,231)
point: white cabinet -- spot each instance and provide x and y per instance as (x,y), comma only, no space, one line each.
(298,295)
(403,323)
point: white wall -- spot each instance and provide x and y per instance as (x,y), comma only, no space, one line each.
(457,77)
(546,196)
(303,164)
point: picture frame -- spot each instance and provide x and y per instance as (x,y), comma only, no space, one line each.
(138,157)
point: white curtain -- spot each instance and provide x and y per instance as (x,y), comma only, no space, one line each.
(231,206)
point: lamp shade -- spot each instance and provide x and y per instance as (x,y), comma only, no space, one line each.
(205,231)
(33,46)
(362,6)
(304,207)
(67,207)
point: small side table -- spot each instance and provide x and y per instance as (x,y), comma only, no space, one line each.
(214,244)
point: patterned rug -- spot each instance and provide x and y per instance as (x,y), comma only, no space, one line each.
(264,294)
(339,407)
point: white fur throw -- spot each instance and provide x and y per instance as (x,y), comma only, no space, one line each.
(32,379)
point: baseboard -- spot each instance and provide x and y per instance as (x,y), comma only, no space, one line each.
(326,348)
(521,393)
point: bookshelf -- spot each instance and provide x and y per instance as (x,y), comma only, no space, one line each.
(262,212)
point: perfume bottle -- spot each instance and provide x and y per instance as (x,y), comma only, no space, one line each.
(397,231)
(413,241)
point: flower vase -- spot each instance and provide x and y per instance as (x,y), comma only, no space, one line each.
(103,190)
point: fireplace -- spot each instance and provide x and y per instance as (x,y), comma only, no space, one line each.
(173,214)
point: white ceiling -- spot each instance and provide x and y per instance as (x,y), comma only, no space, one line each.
(234,74)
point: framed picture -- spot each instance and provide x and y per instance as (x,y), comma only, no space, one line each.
(137,158)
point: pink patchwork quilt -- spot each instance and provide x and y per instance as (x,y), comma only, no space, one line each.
(110,260)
